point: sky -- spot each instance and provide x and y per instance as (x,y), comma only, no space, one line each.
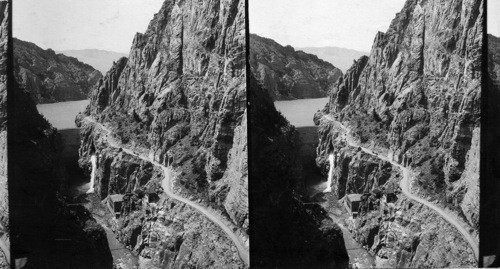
(493,17)
(350,24)
(82,24)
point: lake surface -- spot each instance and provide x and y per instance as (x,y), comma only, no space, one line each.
(62,115)
(301,112)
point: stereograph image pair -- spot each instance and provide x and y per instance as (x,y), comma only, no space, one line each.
(249,134)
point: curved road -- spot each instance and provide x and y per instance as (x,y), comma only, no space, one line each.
(405,187)
(166,184)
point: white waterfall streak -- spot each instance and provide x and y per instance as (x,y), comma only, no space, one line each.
(93,160)
(330,174)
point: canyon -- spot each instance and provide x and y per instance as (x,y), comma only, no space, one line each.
(404,122)
(288,231)
(167,129)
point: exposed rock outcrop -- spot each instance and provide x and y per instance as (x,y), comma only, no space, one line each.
(180,98)
(285,231)
(4,194)
(290,74)
(416,99)
(51,77)
(409,235)
(417,96)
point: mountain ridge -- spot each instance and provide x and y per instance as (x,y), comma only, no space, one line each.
(288,73)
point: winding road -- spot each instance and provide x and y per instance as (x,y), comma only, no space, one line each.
(167,187)
(405,187)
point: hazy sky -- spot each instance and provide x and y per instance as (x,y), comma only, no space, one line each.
(494,17)
(82,24)
(349,24)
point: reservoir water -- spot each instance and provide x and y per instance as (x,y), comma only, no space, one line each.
(300,113)
(62,116)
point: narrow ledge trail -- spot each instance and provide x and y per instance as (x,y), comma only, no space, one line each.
(167,187)
(405,187)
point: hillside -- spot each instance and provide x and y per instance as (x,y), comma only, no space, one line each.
(51,77)
(290,74)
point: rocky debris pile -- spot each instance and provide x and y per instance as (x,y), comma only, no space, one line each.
(417,97)
(290,74)
(288,232)
(51,77)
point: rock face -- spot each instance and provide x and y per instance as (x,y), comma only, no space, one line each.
(290,74)
(180,98)
(416,99)
(339,57)
(4,196)
(490,175)
(409,235)
(51,77)
(101,60)
(286,232)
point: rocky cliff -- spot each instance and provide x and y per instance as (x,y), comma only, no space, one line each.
(290,74)
(51,77)
(285,231)
(490,173)
(416,99)
(179,99)
(4,195)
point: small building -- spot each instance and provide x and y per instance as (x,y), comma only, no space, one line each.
(390,193)
(115,204)
(353,201)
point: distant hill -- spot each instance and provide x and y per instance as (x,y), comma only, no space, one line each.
(101,60)
(289,74)
(51,77)
(339,57)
